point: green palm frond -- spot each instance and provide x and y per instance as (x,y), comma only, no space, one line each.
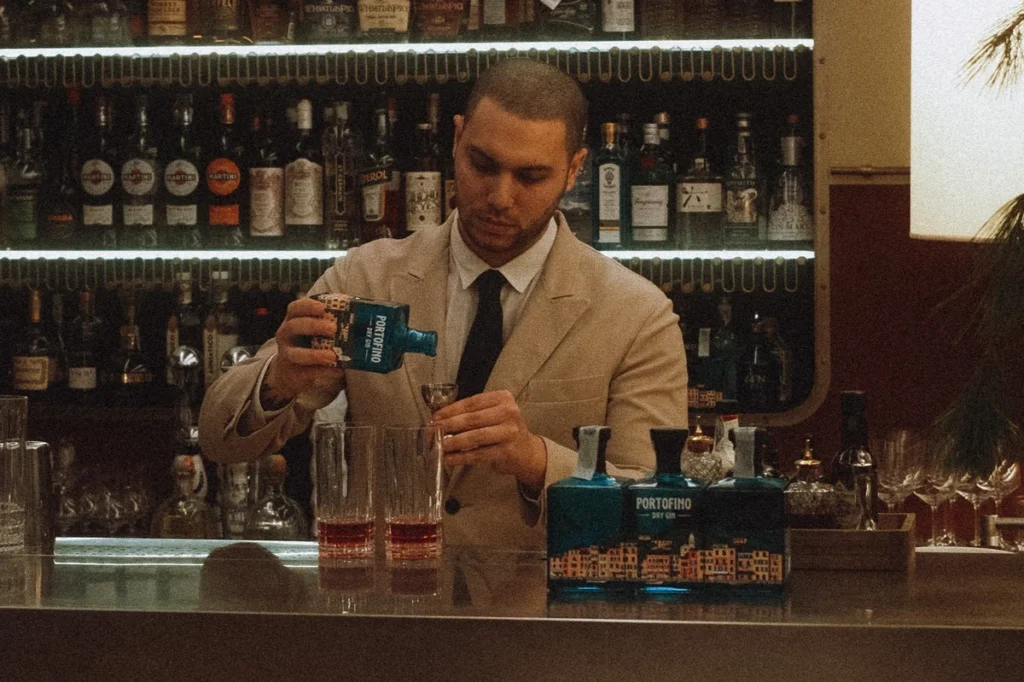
(1001,55)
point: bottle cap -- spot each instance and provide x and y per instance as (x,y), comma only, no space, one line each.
(699,442)
(275,468)
(591,443)
(668,444)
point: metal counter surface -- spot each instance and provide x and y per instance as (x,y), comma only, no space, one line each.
(128,609)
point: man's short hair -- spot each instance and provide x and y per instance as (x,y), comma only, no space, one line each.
(535,92)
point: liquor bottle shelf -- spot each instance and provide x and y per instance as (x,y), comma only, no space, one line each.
(380,64)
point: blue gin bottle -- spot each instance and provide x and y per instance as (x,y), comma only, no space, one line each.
(745,542)
(587,550)
(664,516)
(372,336)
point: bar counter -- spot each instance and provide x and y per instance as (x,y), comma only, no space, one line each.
(211,609)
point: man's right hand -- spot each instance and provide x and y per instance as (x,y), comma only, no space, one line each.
(297,369)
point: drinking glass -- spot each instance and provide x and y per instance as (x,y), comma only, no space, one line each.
(344,489)
(412,463)
(1002,482)
(935,486)
(13,423)
(897,467)
(439,395)
(971,489)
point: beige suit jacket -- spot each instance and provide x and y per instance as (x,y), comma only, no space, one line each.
(596,344)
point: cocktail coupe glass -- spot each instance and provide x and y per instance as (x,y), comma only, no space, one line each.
(935,486)
(971,488)
(1001,483)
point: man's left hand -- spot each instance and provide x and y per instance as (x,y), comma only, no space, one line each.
(489,428)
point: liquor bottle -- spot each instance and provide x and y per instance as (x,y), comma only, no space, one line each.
(380,183)
(779,348)
(181,196)
(438,20)
(35,364)
(61,221)
(183,514)
(624,130)
(384,20)
(266,186)
(499,19)
(273,22)
(139,184)
(618,18)
(664,123)
(256,325)
(304,185)
(853,467)
(328,21)
(569,19)
(6,25)
(276,516)
(222,20)
(109,24)
(442,152)
(220,330)
(661,19)
(56,23)
(790,220)
(343,157)
(585,522)
(758,374)
(724,351)
(384,324)
(747,18)
(224,182)
(85,348)
(651,185)
(576,203)
(810,503)
(665,510)
(170,22)
(239,484)
(743,191)
(702,19)
(746,543)
(55,330)
(423,189)
(185,326)
(99,190)
(699,217)
(23,185)
(127,374)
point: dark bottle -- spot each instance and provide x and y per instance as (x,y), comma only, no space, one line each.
(61,205)
(220,329)
(569,19)
(438,20)
(384,20)
(854,471)
(85,348)
(225,187)
(99,186)
(381,183)
(699,217)
(222,20)
(6,24)
(181,176)
(745,544)
(35,365)
(256,325)
(328,21)
(140,183)
(185,326)
(108,24)
(127,374)
(304,185)
(652,184)
(6,160)
(423,184)
(664,123)
(723,368)
(743,195)
(343,157)
(171,22)
(266,186)
(758,374)
(665,510)
(585,522)
(624,130)
(273,22)
(24,182)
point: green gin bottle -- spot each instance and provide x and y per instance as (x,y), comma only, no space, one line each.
(664,512)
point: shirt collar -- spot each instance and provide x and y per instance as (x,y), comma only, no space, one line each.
(519,271)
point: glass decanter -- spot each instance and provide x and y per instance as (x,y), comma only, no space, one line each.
(699,459)
(809,502)
(183,515)
(276,516)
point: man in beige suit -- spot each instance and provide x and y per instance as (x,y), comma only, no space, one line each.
(582,339)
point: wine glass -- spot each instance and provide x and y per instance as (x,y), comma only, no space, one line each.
(935,486)
(439,395)
(971,489)
(897,468)
(1001,483)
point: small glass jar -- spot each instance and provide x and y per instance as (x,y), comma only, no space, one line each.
(809,502)
(700,461)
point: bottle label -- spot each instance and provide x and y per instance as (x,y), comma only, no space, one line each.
(60,223)
(704,343)
(618,16)
(494,12)
(82,378)
(181,178)
(225,215)
(610,192)
(699,197)
(376,184)
(97,177)
(138,215)
(98,215)
(384,15)
(266,202)
(22,212)
(138,177)
(31,373)
(167,17)
(226,15)
(741,205)
(223,177)
(650,212)
(422,200)
(323,20)
(303,193)
(182,215)
(439,17)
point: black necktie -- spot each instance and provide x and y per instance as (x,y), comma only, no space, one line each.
(483,345)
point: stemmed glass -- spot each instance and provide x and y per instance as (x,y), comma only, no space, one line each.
(899,467)
(971,488)
(439,395)
(935,486)
(1000,484)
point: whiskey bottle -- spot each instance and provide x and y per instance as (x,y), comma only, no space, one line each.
(384,20)
(304,185)
(746,544)
(139,185)
(181,196)
(23,185)
(328,21)
(222,20)
(35,363)
(384,324)
(170,22)
(276,516)
(423,184)
(618,18)
(438,20)
(183,515)
(266,186)
(611,186)
(854,471)
(790,220)
(743,200)
(380,183)
(652,183)
(665,512)
(273,22)
(99,190)
(223,178)
(85,348)
(343,157)
(699,217)
(569,19)
(220,330)
(587,546)
(61,222)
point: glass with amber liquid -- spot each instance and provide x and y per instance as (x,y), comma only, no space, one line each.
(344,484)
(413,470)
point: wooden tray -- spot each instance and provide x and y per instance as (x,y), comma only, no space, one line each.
(890,548)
